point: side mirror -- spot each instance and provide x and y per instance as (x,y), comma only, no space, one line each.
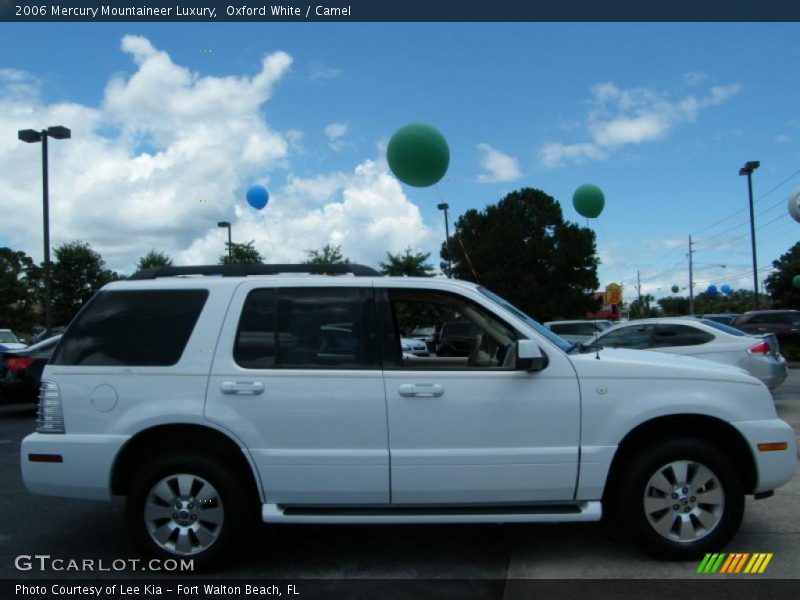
(529,356)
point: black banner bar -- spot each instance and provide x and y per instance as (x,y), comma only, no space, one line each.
(398,10)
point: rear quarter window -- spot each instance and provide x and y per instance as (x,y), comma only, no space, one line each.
(147,328)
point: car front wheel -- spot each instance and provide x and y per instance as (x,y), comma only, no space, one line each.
(682,499)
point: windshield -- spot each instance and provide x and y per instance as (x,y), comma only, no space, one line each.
(541,329)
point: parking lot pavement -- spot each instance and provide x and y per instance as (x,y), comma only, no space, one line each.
(79,529)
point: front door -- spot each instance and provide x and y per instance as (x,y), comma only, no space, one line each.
(465,427)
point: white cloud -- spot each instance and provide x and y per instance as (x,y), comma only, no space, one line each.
(322,72)
(782,138)
(168,153)
(620,117)
(498,167)
(335,132)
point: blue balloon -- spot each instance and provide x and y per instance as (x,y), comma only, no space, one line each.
(257,196)
(712,290)
(726,289)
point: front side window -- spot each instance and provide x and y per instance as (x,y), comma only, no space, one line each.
(467,335)
(307,328)
(146,328)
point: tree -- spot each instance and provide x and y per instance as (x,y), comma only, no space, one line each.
(77,273)
(674,306)
(523,249)
(20,281)
(779,283)
(154,258)
(327,255)
(642,309)
(242,254)
(412,264)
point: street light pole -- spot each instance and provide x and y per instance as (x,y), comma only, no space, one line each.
(230,244)
(443,206)
(31,136)
(748,169)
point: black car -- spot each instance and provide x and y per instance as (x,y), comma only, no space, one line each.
(785,324)
(21,370)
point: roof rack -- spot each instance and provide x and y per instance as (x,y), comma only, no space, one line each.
(245,270)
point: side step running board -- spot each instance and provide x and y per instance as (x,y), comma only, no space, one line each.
(550,513)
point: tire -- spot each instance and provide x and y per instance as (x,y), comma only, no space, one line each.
(680,499)
(188,506)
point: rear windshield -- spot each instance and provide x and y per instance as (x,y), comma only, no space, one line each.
(723,327)
(132,328)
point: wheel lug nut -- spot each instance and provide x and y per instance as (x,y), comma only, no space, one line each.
(174,515)
(685,490)
(693,499)
(687,509)
(194,517)
(675,507)
(190,506)
(674,495)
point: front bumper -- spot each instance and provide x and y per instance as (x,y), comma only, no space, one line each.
(85,468)
(773,468)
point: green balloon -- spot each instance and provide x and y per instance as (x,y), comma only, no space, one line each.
(796,281)
(675,289)
(418,155)
(588,200)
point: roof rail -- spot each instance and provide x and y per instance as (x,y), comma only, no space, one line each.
(257,269)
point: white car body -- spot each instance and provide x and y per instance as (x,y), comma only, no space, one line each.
(395,438)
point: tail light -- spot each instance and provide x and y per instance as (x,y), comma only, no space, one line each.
(761,348)
(19,364)
(49,416)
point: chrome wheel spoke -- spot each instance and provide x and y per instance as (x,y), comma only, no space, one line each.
(660,482)
(204,537)
(154,512)
(664,525)
(680,471)
(211,515)
(712,496)
(185,485)
(183,544)
(707,519)
(701,477)
(686,531)
(163,533)
(163,492)
(655,504)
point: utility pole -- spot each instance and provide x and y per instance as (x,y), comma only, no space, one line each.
(691,280)
(748,169)
(639,287)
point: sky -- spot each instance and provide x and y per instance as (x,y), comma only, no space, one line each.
(173,122)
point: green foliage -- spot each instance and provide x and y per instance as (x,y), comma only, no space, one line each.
(154,258)
(327,255)
(779,283)
(736,302)
(412,264)
(242,254)
(674,306)
(643,309)
(20,280)
(523,249)
(77,273)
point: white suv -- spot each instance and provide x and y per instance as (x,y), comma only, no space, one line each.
(264,393)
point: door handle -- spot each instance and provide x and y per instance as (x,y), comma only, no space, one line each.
(420,390)
(247,388)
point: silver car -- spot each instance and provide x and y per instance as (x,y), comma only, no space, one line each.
(702,338)
(577,331)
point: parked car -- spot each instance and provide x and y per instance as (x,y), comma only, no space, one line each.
(21,370)
(428,334)
(414,346)
(724,318)
(702,338)
(207,402)
(9,341)
(785,324)
(577,331)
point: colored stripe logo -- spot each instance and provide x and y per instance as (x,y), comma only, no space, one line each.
(735,562)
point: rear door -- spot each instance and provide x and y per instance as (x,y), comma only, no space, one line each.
(297,378)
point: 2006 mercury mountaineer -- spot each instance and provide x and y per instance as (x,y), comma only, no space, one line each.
(211,401)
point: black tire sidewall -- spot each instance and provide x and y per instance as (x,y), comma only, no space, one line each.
(236,507)
(641,469)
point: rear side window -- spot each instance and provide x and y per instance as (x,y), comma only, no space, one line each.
(143,328)
(679,335)
(307,328)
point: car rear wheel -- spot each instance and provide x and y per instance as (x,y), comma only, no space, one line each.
(187,507)
(681,499)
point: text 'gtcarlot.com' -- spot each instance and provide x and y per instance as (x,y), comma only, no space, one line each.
(45,562)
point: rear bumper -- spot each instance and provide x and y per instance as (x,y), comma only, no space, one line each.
(773,468)
(84,470)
